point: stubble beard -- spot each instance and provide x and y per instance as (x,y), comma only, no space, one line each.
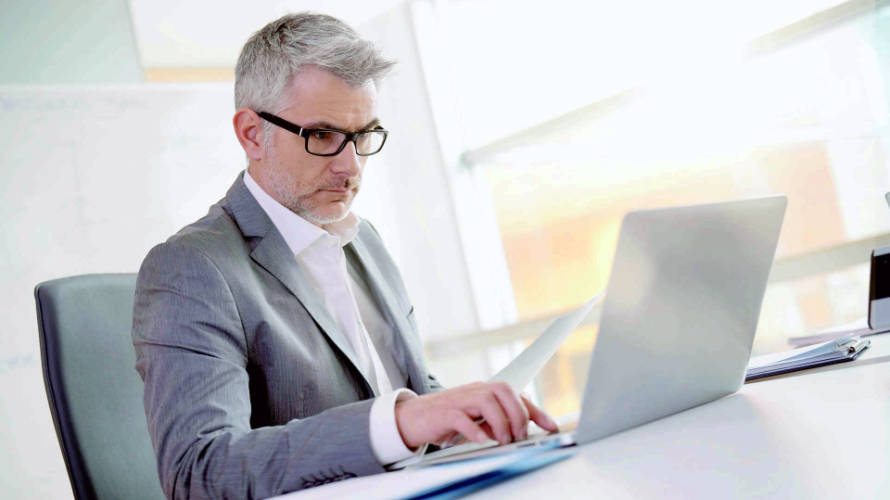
(285,186)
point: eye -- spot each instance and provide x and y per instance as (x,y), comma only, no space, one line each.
(322,135)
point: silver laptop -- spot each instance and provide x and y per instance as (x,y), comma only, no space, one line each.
(678,320)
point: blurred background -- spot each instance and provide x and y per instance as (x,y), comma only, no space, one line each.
(521,133)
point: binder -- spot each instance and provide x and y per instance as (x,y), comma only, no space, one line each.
(834,351)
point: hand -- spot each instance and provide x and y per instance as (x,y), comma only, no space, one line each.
(435,417)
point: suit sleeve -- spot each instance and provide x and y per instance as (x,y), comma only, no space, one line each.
(192,354)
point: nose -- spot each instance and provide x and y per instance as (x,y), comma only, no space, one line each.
(347,162)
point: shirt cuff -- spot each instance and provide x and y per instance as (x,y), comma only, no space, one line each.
(386,442)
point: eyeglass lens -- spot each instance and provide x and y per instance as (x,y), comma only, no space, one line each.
(325,142)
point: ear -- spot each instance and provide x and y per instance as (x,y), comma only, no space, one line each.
(249,131)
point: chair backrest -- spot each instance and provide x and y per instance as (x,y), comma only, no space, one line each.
(94,392)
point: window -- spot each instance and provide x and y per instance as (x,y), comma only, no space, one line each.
(571,119)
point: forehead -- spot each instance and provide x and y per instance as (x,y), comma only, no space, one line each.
(316,95)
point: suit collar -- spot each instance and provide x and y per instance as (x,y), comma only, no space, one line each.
(243,207)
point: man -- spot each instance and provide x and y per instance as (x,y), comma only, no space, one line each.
(274,335)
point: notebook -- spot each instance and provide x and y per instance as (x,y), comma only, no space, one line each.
(678,319)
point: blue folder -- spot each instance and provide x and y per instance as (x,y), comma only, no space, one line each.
(525,461)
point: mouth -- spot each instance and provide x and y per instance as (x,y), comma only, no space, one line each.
(348,186)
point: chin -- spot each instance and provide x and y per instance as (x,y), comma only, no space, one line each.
(329,216)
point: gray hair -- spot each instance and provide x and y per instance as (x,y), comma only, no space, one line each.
(274,54)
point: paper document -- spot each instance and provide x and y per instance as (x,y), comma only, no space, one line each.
(520,372)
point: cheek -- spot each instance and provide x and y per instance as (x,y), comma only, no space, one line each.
(315,175)
(303,168)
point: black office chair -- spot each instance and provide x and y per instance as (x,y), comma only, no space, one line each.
(95,394)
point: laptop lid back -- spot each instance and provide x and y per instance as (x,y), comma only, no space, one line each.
(680,312)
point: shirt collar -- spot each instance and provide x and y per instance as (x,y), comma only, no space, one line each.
(297,231)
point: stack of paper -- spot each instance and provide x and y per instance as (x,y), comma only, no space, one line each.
(834,351)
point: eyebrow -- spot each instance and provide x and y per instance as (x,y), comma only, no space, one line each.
(375,123)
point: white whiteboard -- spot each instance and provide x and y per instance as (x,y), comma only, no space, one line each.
(91,178)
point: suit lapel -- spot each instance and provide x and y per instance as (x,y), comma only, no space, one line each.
(273,255)
(389,306)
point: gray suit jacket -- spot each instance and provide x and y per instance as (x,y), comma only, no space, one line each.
(251,389)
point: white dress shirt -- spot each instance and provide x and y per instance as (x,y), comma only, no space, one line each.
(319,250)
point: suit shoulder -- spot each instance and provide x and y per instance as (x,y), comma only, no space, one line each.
(211,232)
(214,227)
(208,237)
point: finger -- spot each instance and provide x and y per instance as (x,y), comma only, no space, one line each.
(539,416)
(449,438)
(514,408)
(487,428)
(455,438)
(465,425)
(494,415)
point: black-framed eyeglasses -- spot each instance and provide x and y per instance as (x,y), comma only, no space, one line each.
(329,142)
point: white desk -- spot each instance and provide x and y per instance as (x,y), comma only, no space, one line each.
(822,433)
